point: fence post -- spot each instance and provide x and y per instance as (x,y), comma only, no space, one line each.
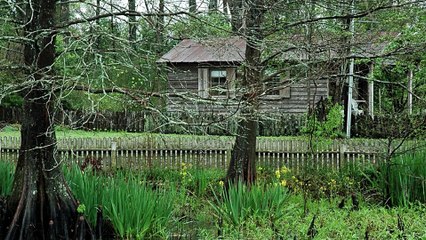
(113,155)
(342,150)
(228,156)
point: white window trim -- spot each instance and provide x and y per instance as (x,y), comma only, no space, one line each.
(204,82)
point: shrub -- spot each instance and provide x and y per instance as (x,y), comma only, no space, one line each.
(331,127)
(12,100)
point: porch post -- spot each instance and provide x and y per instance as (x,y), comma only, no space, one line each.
(371,92)
(410,92)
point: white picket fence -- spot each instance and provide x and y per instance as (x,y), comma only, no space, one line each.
(211,151)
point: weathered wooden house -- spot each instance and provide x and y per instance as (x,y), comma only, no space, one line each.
(209,70)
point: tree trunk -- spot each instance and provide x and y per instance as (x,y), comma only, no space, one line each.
(243,159)
(212,5)
(160,26)
(132,23)
(237,15)
(41,205)
(243,166)
(339,85)
(192,6)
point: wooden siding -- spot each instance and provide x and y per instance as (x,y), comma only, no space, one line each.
(299,98)
(185,78)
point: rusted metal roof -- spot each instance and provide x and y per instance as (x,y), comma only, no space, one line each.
(232,49)
(214,50)
(296,47)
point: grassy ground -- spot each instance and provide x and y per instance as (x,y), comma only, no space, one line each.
(13,131)
(61,132)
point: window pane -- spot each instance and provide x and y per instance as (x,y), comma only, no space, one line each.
(218,74)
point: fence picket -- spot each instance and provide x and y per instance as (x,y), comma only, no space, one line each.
(153,150)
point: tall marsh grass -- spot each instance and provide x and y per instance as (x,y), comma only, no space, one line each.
(134,207)
(7,170)
(87,188)
(239,203)
(406,179)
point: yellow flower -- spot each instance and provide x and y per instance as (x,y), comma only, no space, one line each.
(221,183)
(283,183)
(277,174)
(285,170)
(294,178)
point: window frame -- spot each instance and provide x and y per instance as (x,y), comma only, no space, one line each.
(284,92)
(211,90)
(204,81)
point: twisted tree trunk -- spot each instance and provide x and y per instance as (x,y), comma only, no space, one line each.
(242,166)
(41,205)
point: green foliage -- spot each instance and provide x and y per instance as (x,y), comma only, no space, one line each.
(334,223)
(403,179)
(87,189)
(102,60)
(264,210)
(402,126)
(7,170)
(317,183)
(393,94)
(12,100)
(199,181)
(81,208)
(238,203)
(330,128)
(135,209)
(12,129)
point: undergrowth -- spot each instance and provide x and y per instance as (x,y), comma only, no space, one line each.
(190,203)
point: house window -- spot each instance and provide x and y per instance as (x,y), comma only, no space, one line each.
(273,87)
(218,83)
(278,87)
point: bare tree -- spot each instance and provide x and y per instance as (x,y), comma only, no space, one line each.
(41,205)
(242,166)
